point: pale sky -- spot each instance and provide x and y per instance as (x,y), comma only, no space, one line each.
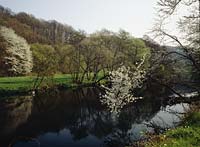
(134,16)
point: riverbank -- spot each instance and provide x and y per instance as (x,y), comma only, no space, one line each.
(22,85)
(185,135)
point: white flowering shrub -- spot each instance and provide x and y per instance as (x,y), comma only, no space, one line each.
(17,58)
(123,80)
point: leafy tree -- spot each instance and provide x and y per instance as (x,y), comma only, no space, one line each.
(64,53)
(16,56)
(105,51)
(125,49)
(88,59)
(94,57)
(45,62)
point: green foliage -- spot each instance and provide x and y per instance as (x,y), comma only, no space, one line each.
(64,53)
(193,119)
(136,49)
(73,52)
(105,51)
(45,59)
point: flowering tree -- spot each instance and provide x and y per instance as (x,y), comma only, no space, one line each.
(16,57)
(123,80)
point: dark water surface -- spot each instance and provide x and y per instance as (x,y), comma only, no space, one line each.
(76,118)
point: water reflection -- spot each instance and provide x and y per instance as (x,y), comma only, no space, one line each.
(74,118)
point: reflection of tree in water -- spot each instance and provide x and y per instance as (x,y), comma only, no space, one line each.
(90,116)
(80,112)
(100,123)
(129,118)
(13,113)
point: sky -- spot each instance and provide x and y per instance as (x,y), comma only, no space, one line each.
(134,16)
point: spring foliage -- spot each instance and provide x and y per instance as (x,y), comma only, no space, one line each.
(16,57)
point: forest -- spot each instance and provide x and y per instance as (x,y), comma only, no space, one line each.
(59,49)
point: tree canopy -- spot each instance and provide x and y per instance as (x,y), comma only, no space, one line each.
(16,56)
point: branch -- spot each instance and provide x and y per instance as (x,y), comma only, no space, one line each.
(167,86)
(189,56)
(168,6)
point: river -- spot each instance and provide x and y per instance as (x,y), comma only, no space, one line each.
(77,118)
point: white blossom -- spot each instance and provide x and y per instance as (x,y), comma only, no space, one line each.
(18,56)
(123,80)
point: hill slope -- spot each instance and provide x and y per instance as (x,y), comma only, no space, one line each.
(36,30)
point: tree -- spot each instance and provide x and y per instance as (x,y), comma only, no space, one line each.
(125,49)
(63,53)
(45,62)
(88,59)
(188,25)
(184,16)
(123,80)
(16,56)
(95,57)
(105,51)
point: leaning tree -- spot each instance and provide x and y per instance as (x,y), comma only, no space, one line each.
(185,15)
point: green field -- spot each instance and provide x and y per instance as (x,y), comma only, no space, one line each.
(9,85)
(26,83)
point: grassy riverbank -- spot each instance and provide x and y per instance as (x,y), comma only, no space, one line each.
(12,85)
(17,83)
(186,135)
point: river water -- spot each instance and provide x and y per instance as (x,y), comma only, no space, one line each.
(76,118)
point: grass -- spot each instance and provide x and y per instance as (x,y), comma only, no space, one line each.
(186,135)
(17,83)
(13,85)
